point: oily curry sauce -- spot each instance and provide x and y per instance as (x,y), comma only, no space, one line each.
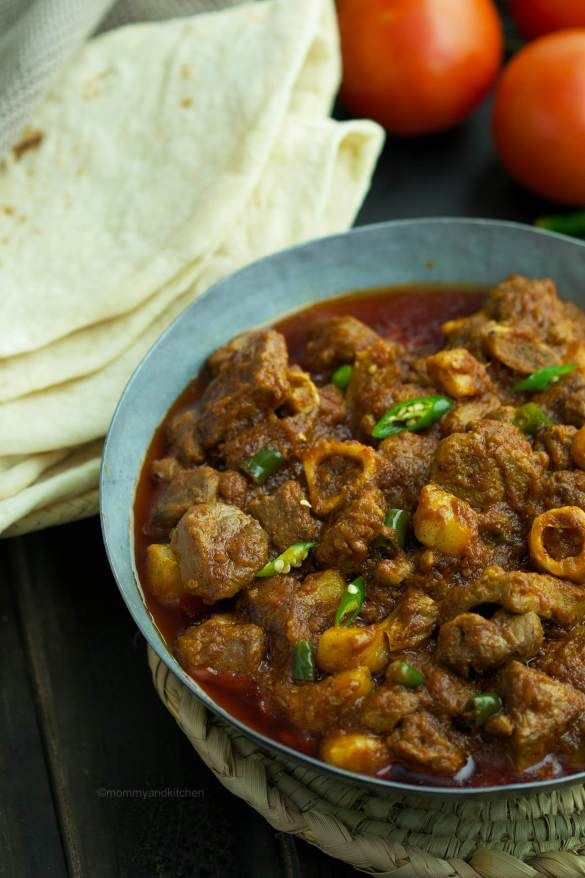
(408,320)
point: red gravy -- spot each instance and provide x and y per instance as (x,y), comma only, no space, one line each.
(412,315)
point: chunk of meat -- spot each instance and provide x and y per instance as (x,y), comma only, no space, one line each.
(528,302)
(219,548)
(270,432)
(189,486)
(336,340)
(540,708)
(182,436)
(518,592)
(494,462)
(348,534)
(234,488)
(404,467)
(412,621)
(318,707)
(289,611)
(444,522)
(336,471)
(253,382)
(285,515)
(457,373)
(376,384)
(556,441)
(355,751)
(388,705)
(565,399)
(270,604)
(222,644)
(423,743)
(518,349)
(466,412)
(565,658)
(165,468)
(470,642)
(564,488)
(451,695)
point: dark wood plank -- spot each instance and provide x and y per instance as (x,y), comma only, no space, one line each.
(117,759)
(26,805)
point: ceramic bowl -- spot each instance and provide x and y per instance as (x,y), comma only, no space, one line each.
(412,251)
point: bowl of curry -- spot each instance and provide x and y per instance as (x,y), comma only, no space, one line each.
(354,524)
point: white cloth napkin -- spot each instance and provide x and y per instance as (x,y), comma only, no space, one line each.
(164,157)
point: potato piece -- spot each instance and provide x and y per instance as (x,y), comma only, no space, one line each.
(164,577)
(457,373)
(355,751)
(341,648)
(444,522)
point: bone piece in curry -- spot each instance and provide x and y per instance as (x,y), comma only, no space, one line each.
(557,542)
(337,470)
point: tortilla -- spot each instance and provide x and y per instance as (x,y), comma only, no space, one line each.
(70,509)
(147,148)
(313,184)
(76,475)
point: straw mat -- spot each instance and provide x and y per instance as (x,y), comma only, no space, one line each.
(394,835)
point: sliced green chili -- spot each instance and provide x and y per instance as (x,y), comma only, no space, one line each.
(482,707)
(291,557)
(398,520)
(351,602)
(530,418)
(405,674)
(304,667)
(412,415)
(262,464)
(342,376)
(545,377)
(566,223)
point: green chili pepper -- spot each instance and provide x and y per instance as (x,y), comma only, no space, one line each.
(482,707)
(530,418)
(545,377)
(291,557)
(351,602)
(412,415)
(405,674)
(304,664)
(262,464)
(566,223)
(398,520)
(342,376)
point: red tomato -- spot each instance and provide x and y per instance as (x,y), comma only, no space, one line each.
(418,66)
(539,117)
(537,17)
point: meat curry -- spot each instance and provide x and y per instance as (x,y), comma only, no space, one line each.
(365,536)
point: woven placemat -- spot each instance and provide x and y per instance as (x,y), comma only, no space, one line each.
(391,834)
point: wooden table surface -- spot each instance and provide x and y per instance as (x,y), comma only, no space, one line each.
(95,777)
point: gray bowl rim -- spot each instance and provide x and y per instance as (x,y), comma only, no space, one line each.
(375,785)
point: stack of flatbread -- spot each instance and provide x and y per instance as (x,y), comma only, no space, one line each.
(165,157)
